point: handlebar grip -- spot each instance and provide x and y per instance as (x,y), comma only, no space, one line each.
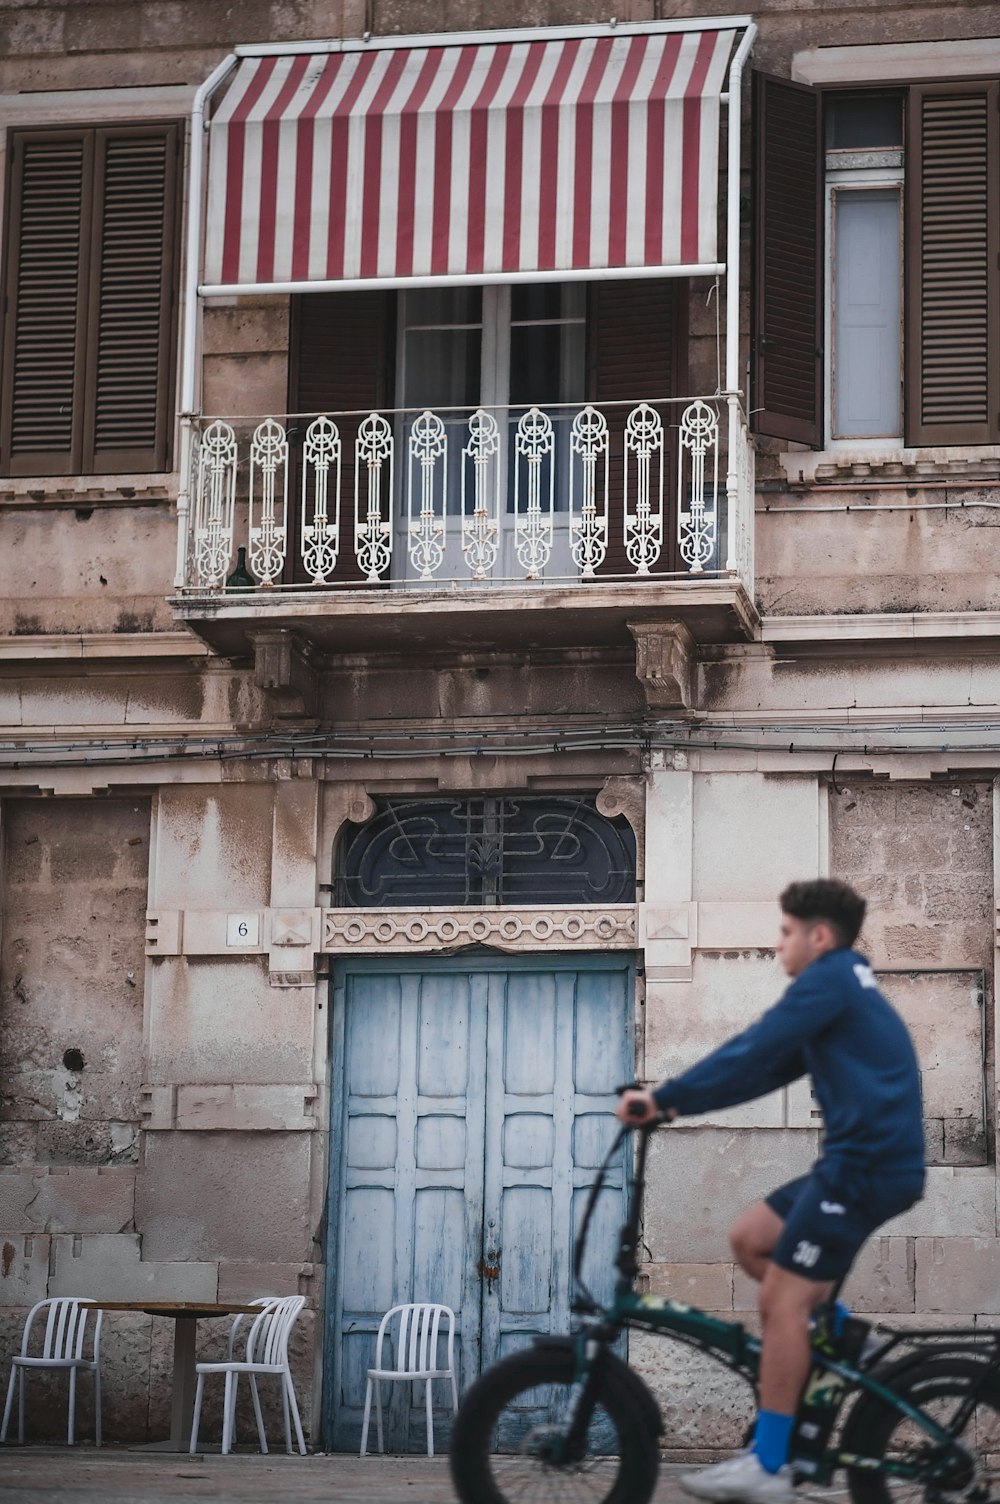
(635,1110)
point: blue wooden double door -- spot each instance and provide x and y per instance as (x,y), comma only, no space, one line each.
(471,1109)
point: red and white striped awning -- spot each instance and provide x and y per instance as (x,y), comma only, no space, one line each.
(573,154)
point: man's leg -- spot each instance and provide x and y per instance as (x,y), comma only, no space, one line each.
(752,1238)
(786,1303)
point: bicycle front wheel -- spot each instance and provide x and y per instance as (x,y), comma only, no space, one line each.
(939,1386)
(511,1421)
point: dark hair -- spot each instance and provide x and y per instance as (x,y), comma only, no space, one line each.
(827,899)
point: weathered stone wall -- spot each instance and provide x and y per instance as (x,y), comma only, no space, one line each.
(71,980)
(923,855)
(225,1208)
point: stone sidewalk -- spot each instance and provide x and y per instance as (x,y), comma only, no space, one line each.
(42,1475)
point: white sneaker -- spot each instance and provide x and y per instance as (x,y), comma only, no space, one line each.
(740,1480)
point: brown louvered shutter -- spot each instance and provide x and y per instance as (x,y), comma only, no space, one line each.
(637,352)
(91,271)
(338,363)
(786,394)
(952,243)
(128,422)
(42,414)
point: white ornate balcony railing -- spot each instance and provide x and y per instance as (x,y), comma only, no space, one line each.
(415,498)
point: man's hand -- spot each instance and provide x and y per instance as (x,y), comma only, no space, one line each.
(638,1107)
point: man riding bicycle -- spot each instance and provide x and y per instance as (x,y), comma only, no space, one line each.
(834,1025)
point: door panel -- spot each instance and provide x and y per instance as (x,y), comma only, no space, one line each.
(471,1108)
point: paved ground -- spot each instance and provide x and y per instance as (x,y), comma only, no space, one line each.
(42,1475)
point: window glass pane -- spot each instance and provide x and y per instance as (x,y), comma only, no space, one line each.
(443,305)
(442,364)
(547,364)
(867,399)
(442,368)
(547,367)
(510,849)
(548,300)
(863,122)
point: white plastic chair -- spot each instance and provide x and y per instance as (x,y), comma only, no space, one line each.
(266,1353)
(416,1350)
(63,1347)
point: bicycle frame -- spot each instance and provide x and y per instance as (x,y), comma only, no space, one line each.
(729,1343)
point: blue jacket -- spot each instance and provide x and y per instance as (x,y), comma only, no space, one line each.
(834,1025)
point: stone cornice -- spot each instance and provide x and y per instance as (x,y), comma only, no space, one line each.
(882,626)
(62,646)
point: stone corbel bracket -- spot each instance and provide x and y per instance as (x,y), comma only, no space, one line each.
(284,668)
(665,654)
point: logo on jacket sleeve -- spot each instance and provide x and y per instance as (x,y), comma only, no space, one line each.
(865,975)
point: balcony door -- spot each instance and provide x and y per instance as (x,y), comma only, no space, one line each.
(506,349)
(512,352)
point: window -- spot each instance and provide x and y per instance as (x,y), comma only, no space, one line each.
(864,177)
(500,347)
(90,291)
(902,188)
(507,348)
(509,849)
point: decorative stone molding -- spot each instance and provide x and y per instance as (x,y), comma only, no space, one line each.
(627,796)
(511,930)
(361,808)
(668,933)
(60,490)
(915,466)
(283,669)
(294,928)
(664,653)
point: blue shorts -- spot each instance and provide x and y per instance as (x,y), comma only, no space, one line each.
(829,1213)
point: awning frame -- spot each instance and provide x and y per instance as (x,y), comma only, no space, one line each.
(195,291)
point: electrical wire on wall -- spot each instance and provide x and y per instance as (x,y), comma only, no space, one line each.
(963,735)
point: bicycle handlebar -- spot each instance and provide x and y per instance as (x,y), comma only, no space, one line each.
(625,1261)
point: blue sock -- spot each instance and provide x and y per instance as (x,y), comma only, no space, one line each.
(840,1315)
(772,1439)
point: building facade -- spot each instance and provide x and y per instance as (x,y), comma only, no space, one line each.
(483,510)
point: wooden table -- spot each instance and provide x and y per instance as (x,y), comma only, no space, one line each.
(185,1315)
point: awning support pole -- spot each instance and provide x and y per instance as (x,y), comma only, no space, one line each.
(735,123)
(189,326)
(736,436)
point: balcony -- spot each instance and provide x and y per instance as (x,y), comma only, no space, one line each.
(414,530)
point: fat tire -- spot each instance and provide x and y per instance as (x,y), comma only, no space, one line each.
(871,1423)
(622,1394)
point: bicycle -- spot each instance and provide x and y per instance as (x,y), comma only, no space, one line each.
(918,1415)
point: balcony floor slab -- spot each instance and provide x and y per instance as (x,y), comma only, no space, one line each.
(467,619)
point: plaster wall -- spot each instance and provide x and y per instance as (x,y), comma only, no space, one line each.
(774,681)
(851,560)
(91,567)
